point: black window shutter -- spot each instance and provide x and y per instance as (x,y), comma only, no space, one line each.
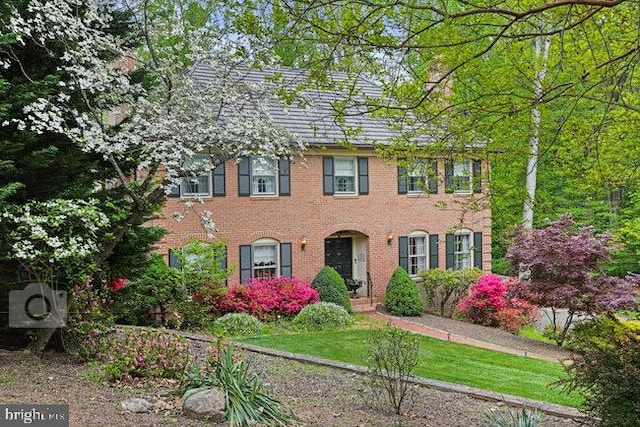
(244,177)
(449,250)
(433,251)
(403,252)
(448,177)
(402,180)
(477,176)
(284,172)
(174,262)
(285,260)
(174,191)
(363,175)
(245,263)
(218,180)
(327,173)
(432,177)
(477,250)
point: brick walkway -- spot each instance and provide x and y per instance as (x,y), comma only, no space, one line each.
(420,328)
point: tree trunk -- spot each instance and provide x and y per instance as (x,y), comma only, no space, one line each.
(542,45)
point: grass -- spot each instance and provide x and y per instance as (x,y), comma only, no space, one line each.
(440,360)
(533,334)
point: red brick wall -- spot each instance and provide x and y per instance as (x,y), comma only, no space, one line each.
(309,213)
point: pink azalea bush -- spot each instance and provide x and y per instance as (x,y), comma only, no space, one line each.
(485,300)
(268,298)
(488,303)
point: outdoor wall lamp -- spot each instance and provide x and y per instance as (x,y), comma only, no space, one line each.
(303,243)
(389,238)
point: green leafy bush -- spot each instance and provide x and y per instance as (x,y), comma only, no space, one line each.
(158,288)
(402,297)
(322,316)
(145,353)
(444,288)
(237,324)
(606,370)
(331,287)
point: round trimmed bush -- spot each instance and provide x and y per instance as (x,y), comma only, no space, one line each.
(332,288)
(402,297)
(321,317)
(237,324)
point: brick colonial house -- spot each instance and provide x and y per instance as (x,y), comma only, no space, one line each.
(337,206)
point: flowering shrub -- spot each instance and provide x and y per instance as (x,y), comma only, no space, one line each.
(146,353)
(119,283)
(488,304)
(517,314)
(268,298)
(485,300)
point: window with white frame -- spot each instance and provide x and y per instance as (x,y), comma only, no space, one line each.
(417,178)
(263,176)
(265,259)
(462,174)
(197,183)
(462,250)
(344,175)
(417,253)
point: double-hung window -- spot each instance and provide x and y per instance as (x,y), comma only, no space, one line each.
(197,183)
(265,260)
(263,176)
(417,253)
(344,175)
(464,249)
(420,177)
(416,179)
(462,255)
(462,176)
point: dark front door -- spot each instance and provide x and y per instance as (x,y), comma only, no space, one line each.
(337,254)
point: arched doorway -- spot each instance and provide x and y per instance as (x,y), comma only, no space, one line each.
(346,252)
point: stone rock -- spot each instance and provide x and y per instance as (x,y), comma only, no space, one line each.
(204,404)
(135,404)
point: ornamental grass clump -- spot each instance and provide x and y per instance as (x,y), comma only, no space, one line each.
(402,296)
(321,317)
(268,299)
(237,324)
(246,400)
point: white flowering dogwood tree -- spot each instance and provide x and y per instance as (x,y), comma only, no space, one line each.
(143,111)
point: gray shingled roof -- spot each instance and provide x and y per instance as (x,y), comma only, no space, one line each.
(312,117)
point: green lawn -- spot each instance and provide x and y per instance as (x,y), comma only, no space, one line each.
(441,360)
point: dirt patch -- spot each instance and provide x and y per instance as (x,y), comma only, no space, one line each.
(320,396)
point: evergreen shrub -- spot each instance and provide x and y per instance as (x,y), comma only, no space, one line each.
(402,296)
(331,287)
